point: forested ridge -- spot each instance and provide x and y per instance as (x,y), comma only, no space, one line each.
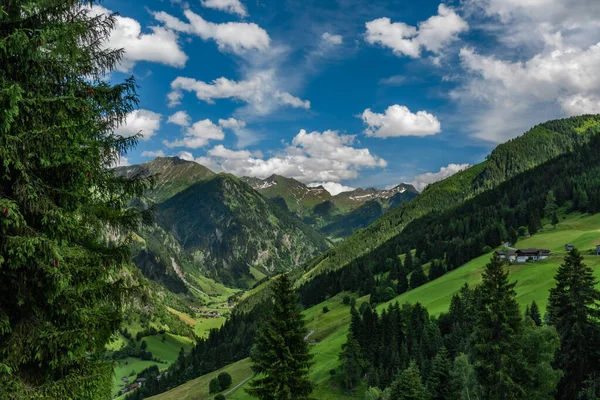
(451,238)
(542,143)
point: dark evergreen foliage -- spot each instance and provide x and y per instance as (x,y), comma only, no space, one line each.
(480,348)
(280,357)
(573,310)
(499,365)
(417,278)
(214,386)
(534,314)
(61,281)
(225,380)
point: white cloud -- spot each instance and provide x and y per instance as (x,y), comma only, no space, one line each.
(238,37)
(394,80)
(399,121)
(420,182)
(330,39)
(158,153)
(245,136)
(580,104)
(180,118)
(314,156)
(223,152)
(198,135)
(229,6)
(160,46)
(260,92)
(432,35)
(510,96)
(541,23)
(140,121)
(543,65)
(186,155)
(334,188)
(232,123)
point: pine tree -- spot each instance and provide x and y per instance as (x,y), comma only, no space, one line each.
(534,313)
(550,210)
(408,261)
(408,386)
(352,362)
(497,358)
(440,383)
(513,236)
(402,281)
(573,310)
(436,270)
(417,278)
(280,355)
(63,214)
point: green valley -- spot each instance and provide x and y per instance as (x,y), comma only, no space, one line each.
(534,281)
(203,200)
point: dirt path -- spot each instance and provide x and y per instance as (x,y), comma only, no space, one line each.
(309,335)
(227,393)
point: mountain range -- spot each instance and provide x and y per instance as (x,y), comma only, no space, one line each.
(336,216)
(240,230)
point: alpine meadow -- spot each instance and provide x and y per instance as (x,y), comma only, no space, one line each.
(299,200)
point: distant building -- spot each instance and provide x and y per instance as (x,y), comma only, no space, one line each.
(598,250)
(569,247)
(507,255)
(524,255)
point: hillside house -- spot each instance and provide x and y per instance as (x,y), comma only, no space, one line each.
(569,247)
(524,255)
(507,255)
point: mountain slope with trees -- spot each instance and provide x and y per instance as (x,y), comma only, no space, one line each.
(542,143)
(472,228)
(227,227)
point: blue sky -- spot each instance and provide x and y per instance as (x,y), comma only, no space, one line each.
(351,93)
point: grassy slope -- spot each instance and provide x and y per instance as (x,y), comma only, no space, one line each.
(197,389)
(167,352)
(534,281)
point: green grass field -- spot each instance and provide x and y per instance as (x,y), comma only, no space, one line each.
(204,325)
(534,281)
(197,389)
(166,351)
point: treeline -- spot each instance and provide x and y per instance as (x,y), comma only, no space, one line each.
(542,143)
(483,347)
(461,234)
(230,343)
